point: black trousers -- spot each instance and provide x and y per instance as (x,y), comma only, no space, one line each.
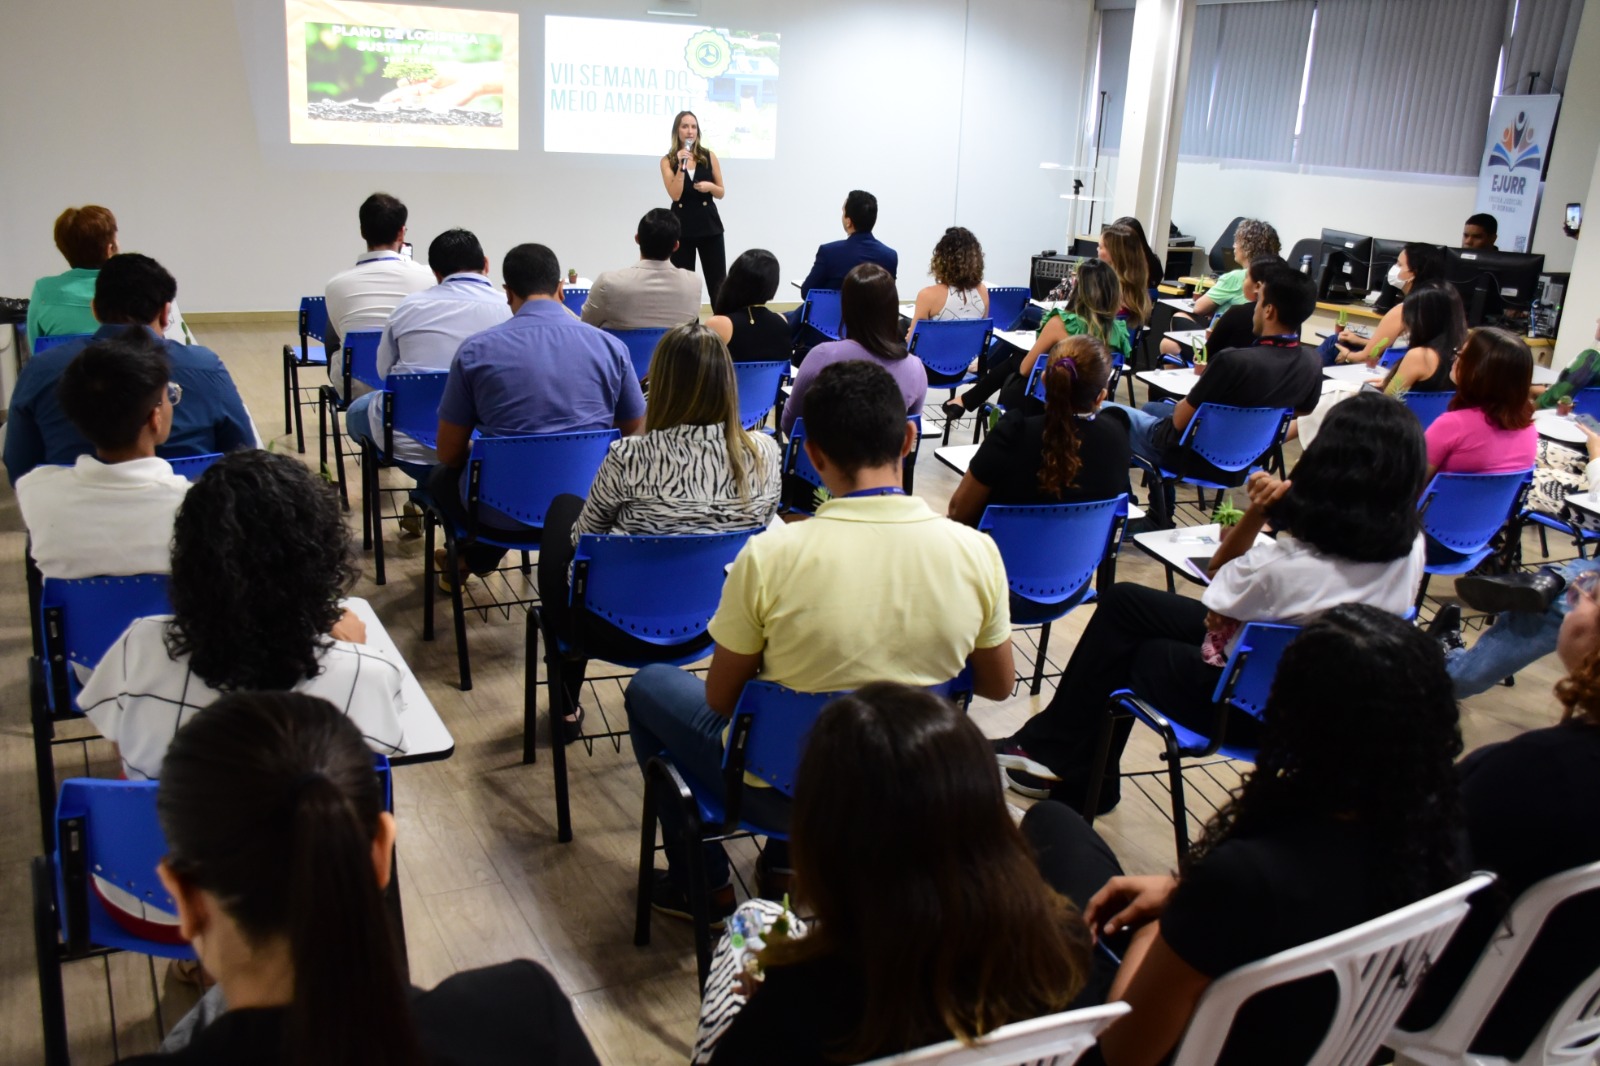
(1139,638)
(994,376)
(589,636)
(713,260)
(444,485)
(1077,863)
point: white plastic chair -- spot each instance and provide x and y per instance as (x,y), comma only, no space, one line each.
(1570,1036)
(1378,965)
(1054,1040)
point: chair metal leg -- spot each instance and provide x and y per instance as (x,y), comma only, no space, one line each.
(429,577)
(1544,543)
(1180,816)
(44,762)
(289,398)
(1038,660)
(369,497)
(322,430)
(47,961)
(1097,770)
(647,863)
(391,902)
(299,416)
(527,563)
(338,461)
(451,560)
(530,692)
(1422,590)
(371,503)
(699,894)
(560,706)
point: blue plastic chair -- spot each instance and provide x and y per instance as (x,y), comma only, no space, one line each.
(408,404)
(574,298)
(766,739)
(1461,513)
(758,389)
(360,364)
(1006,304)
(1245,684)
(1587,402)
(44,344)
(822,313)
(661,590)
(947,349)
(1390,357)
(1428,406)
(309,351)
(796,463)
(641,345)
(1051,553)
(1235,440)
(192,466)
(517,476)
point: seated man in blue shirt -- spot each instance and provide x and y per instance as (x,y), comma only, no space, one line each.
(837,258)
(132,291)
(542,371)
(422,335)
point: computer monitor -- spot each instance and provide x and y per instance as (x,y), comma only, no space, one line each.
(1345,266)
(1496,287)
(1385,254)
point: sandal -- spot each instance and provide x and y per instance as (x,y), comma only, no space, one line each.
(953,409)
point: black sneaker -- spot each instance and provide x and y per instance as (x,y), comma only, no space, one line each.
(669,899)
(1446,628)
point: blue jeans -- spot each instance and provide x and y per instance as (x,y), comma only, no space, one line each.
(1517,639)
(1142,428)
(364,424)
(667,712)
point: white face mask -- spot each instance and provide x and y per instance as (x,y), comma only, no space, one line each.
(1394,279)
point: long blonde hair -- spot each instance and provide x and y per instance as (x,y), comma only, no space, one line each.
(692,384)
(1127,259)
(702,154)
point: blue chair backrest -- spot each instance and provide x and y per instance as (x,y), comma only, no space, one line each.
(798,463)
(1463,512)
(44,344)
(1051,551)
(1390,357)
(662,590)
(82,617)
(411,406)
(1006,304)
(361,358)
(1246,681)
(521,475)
(823,314)
(641,345)
(758,385)
(574,298)
(313,317)
(192,466)
(1233,438)
(1587,402)
(771,724)
(948,348)
(1428,406)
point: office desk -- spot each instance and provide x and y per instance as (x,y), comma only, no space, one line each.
(427,739)
(1172,382)
(1361,312)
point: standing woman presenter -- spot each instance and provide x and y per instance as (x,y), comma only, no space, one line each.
(693,178)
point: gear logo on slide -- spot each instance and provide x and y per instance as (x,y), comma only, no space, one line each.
(708,54)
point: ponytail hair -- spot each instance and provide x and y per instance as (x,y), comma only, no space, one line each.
(269,802)
(1074,378)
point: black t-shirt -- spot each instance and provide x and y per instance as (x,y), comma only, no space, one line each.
(511,1013)
(1008,461)
(801,1015)
(1255,896)
(1236,328)
(1530,806)
(759,336)
(1260,376)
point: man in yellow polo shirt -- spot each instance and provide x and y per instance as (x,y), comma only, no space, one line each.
(876,587)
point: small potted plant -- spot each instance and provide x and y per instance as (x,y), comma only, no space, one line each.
(1226,514)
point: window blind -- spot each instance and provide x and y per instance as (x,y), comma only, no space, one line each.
(1245,69)
(1541,43)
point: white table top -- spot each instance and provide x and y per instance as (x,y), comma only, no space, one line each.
(1017,338)
(1587,502)
(1184,304)
(1354,372)
(1178,381)
(1544,375)
(427,738)
(959,456)
(1187,336)
(1174,548)
(1549,424)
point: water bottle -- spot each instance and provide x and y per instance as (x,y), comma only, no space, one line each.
(1305,265)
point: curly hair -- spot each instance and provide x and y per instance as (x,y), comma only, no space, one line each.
(260,559)
(1074,378)
(1373,746)
(1257,239)
(957,260)
(1354,492)
(1579,691)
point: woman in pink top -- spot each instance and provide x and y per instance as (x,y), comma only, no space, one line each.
(1489,427)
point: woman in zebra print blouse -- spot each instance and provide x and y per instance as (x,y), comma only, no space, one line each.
(694,470)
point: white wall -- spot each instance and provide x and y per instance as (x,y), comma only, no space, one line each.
(1573,151)
(171,113)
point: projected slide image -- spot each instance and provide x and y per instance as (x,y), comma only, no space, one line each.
(401,74)
(612,86)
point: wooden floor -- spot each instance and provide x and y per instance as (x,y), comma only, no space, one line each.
(483,878)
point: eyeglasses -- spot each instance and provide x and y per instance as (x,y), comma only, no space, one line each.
(1583,585)
(174,393)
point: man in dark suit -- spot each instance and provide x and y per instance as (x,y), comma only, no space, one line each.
(836,258)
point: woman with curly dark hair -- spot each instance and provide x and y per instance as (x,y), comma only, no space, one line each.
(1352,811)
(1065,454)
(958,291)
(1347,532)
(260,562)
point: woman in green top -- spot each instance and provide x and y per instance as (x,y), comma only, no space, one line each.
(1582,373)
(1252,240)
(61,305)
(1092,310)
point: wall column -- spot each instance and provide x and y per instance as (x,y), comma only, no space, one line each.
(1152,117)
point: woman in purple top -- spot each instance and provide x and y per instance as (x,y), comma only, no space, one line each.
(869,306)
